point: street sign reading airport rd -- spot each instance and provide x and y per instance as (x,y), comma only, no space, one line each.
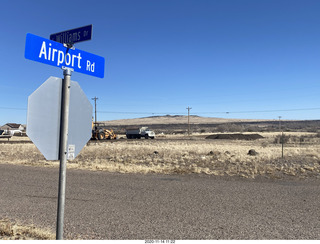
(56,54)
(72,36)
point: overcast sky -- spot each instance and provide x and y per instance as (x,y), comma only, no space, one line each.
(229,58)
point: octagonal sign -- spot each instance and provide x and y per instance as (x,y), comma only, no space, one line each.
(43,118)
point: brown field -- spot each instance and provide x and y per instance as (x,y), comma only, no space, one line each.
(13,231)
(171,154)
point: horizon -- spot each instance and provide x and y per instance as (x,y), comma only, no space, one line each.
(233,120)
(224,59)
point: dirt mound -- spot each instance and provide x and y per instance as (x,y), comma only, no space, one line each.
(235,136)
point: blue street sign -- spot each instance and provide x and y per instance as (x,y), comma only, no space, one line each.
(53,53)
(72,36)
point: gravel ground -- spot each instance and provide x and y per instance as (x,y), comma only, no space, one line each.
(102,205)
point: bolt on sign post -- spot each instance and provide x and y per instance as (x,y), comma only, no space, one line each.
(70,112)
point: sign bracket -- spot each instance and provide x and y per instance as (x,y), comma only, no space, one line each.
(69,46)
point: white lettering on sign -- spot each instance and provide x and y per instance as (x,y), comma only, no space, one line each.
(60,57)
(68,38)
(90,67)
(50,54)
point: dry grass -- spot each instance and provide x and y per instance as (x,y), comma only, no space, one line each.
(196,155)
(13,231)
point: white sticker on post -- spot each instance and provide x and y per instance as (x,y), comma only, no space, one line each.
(71,151)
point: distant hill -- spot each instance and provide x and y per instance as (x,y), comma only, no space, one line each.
(174,119)
(179,124)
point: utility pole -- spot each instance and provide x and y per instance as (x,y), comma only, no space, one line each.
(189,120)
(95,112)
(279,123)
(282,136)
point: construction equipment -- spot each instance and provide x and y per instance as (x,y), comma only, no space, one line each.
(99,133)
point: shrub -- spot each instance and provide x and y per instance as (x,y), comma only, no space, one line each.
(279,139)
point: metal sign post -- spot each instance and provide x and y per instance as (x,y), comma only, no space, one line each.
(65,100)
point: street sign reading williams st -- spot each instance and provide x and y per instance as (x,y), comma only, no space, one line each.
(72,36)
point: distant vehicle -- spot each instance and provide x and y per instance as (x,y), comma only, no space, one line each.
(137,133)
(6,134)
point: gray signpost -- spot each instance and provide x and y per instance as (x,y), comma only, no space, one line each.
(57,94)
(64,122)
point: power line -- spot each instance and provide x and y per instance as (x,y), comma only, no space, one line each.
(153,113)
(263,111)
(214,112)
(8,108)
(199,112)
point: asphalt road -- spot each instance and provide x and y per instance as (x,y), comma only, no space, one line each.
(101,205)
